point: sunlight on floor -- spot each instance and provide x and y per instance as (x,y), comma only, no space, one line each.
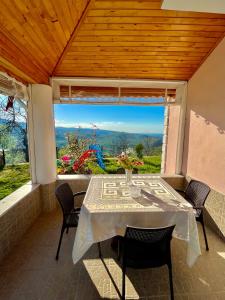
(221,254)
(203,281)
(109,271)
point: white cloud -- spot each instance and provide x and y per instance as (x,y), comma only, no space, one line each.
(115,126)
(62,123)
(100,125)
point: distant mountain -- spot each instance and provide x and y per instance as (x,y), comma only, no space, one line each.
(111,141)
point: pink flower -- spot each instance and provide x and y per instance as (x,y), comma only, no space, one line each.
(138,163)
(65,158)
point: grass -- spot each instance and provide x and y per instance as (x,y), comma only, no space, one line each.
(152,164)
(13,177)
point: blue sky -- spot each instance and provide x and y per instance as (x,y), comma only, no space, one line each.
(138,119)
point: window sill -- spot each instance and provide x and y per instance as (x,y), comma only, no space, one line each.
(74,177)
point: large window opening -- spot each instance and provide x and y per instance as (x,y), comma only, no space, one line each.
(90,138)
(14,151)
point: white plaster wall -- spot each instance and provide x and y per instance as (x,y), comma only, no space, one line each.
(172,140)
(204,147)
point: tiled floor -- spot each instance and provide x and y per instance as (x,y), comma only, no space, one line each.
(31,272)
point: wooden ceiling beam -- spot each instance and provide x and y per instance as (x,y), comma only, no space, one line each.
(73,35)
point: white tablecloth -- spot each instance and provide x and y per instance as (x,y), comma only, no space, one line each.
(108,208)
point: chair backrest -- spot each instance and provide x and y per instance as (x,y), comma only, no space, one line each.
(147,247)
(65,197)
(197,192)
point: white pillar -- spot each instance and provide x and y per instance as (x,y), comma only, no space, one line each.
(42,134)
(182,94)
(165,136)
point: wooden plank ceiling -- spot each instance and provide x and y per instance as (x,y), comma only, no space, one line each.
(103,38)
(34,33)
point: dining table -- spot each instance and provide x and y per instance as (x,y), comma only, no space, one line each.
(111,204)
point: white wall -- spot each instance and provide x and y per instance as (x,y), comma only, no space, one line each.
(204,147)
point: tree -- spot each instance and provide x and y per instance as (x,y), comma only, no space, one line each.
(148,145)
(7,142)
(15,123)
(122,142)
(139,150)
(152,146)
(75,146)
(4,141)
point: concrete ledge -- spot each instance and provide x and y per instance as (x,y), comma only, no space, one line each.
(74,177)
(17,213)
(11,200)
(176,181)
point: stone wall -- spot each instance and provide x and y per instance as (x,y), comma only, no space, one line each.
(17,213)
(48,199)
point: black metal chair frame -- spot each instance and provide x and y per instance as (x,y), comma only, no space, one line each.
(71,215)
(163,242)
(200,208)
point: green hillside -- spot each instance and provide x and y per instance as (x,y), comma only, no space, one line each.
(112,141)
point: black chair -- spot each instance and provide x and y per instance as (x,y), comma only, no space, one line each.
(65,197)
(196,194)
(147,248)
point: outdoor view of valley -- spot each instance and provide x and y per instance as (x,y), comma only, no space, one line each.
(73,142)
(89,140)
(95,142)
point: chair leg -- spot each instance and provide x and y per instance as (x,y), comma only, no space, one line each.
(171,281)
(99,250)
(123,282)
(205,237)
(67,230)
(119,251)
(60,241)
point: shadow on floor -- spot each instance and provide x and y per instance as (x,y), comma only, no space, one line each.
(31,272)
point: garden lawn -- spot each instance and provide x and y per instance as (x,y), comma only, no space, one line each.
(13,177)
(152,164)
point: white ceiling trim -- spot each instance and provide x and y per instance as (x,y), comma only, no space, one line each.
(209,6)
(56,82)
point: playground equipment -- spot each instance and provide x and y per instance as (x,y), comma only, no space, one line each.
(97,148)
(99,155)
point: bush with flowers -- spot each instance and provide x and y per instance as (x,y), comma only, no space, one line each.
(128,162)
(77,156)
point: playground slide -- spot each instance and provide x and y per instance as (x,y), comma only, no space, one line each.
(99,155)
